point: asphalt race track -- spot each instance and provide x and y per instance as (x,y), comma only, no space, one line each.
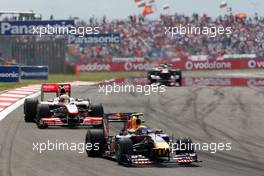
(233,115)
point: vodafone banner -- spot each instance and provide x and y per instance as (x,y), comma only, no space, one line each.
(116,66)
(220,65)
(182,65)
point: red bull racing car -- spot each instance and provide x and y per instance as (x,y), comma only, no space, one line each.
(135,144)
(165,75)
(63,110)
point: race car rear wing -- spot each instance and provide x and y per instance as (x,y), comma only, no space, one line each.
(54,88)
(122,117)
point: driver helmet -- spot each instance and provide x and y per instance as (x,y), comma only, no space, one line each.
(136,122)
(142,130)
(164,66)
(64,98)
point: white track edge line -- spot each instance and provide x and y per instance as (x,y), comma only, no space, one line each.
(14,106)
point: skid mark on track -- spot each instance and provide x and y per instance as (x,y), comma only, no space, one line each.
(245,109)
(186,101)
(200,117)
(236,161)
(210,128)
(201,113)
(251,158)
(212,106)
(157,114)
(190,117)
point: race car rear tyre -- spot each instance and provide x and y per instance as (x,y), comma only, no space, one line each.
(96,139)
(124,149)
(42,111)
(30,109)
(97,110)
(179,80)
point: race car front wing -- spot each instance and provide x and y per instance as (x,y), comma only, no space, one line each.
(56,121)
(139,160)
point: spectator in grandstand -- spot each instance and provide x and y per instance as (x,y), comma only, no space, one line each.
(146,38)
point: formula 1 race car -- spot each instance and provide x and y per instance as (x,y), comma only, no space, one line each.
(165,75)
(136,144)
(62,110)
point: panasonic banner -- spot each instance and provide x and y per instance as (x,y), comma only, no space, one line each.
(91,39)
(9,73)
(31,27)
(34,72)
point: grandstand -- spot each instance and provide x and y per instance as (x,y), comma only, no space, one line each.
(145,38)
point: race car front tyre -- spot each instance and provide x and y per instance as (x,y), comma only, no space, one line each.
(96,140)
(42,111)
(124,149)
(97,111)
(30,109)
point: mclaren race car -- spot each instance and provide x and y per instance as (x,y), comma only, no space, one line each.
(63,110)
(164,75)
(135,144)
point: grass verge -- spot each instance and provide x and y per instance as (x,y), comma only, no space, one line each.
(55,78)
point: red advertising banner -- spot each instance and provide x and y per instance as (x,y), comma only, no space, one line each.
(220,65)
(182,65)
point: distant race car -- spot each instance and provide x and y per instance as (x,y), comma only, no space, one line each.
(165,75)
(136,144)
(62,110)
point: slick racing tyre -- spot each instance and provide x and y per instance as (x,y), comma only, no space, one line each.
(124,148)
(179,80)
(96,139)
(42,111)
(97,110)
(30,109)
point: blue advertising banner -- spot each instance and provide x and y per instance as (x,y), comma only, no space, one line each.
(34,72)
(32,27)
(102,38)
(9,73)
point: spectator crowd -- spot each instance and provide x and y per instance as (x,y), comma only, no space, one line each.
(146,38)
(141,37)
